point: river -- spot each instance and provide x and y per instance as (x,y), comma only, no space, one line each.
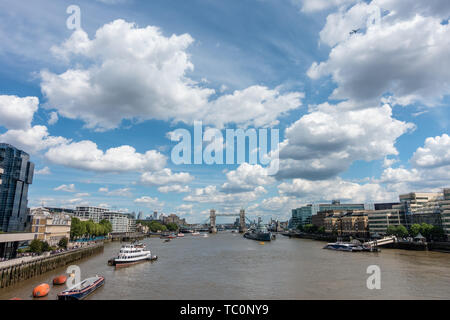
(228,266)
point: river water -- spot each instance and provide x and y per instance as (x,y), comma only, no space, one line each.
(228,266)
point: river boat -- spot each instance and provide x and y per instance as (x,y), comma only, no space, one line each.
(83,289)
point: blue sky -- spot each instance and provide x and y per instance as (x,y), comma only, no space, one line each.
(354,111)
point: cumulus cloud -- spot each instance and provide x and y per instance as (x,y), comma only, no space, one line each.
(326,141)
(149,202)
(210,194)
(327,190)
(435,153)
(17,113)
(246,177)
(66,188)
(405,58)
(43,171)
(53,118)
(122,192)
(319,5)
(139,74)
(430,169)
(174,188)
(164,177)
(86,155)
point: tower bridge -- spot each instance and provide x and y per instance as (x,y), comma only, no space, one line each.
(213,215)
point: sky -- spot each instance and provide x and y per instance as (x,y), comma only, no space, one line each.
(362,116)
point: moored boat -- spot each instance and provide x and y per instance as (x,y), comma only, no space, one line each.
(83,289)
(343,246)
(195,233)
(180,235)
(259,233)
(131,254)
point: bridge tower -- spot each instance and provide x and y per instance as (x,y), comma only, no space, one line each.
(212,219)
(242,227)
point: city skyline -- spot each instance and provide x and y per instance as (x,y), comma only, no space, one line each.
(97,119)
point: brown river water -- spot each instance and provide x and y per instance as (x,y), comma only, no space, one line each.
(228,266)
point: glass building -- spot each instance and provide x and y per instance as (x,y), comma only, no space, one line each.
(16,176)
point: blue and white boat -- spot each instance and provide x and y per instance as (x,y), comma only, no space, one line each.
(343,246)
(83,289)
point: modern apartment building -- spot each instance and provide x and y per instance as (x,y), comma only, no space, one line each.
(120,221)
(380,220)
(16,175)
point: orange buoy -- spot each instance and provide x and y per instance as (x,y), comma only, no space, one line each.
(41,290)
(59,280)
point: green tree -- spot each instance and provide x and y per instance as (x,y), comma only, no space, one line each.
(398,231)
(414,229)
(63,242)
(107,226)
(46,247)
(172,226)
(321,230)
(36,246)
(300,228)
(426,230)
(310,228)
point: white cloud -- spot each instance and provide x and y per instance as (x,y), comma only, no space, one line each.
(387,162)
(149,202)
(82,195)
(122,192)
(174,188)
(407,59)
(329,139)
(43,171)
(327,190)
(53,118)
(85,155)
(164,177)
(17,113)
(435,153)
(210,194)
(246,178)
(66,188)
(139,74)
(319,5)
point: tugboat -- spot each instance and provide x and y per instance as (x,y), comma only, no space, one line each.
(83,289)
(131,254)
(259,233)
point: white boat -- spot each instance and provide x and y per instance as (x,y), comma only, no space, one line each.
(195,233)
(342,246)
(131,254)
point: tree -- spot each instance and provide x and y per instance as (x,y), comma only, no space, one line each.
(414,229)
(426,230)
(172,226)
(321,230)
(398,231)
(46,247)
(63,242)
(36,246)
(300,227)
(310,228)
(107,226)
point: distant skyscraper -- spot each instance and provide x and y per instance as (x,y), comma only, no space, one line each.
(140,215)
(17,175)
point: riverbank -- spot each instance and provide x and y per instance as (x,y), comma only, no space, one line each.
(17,270)
(403,245)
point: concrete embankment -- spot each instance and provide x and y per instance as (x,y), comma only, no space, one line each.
(15,273)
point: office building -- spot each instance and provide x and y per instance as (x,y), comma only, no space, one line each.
(303,215)
(380,220)
(90,213)
(17,175)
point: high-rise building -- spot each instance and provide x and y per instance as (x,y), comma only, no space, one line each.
(17,175)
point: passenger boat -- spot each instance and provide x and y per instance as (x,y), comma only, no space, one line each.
(180,235)
(131,254)
(195,233)
(83,289)
(343,246)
